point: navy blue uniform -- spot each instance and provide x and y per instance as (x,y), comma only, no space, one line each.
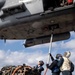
(54,68)
(38,69)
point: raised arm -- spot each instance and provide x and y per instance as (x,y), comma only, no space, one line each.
(52,58)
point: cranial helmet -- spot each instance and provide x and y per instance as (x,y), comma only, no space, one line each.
(67,54)
(58,56)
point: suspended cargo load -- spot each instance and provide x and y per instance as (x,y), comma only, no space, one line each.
(18,70)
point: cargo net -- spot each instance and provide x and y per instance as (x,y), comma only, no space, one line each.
(18,70)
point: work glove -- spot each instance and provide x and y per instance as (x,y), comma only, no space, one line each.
(47,65)
(50,54)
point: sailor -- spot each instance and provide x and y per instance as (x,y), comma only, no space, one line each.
(39,67)
(54,66)
(66,65)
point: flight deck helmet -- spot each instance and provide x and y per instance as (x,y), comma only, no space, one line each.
(67,54)
(58,56)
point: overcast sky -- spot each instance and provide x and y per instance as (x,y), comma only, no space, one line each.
(14,53)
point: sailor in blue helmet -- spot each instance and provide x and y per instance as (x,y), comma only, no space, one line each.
(55,65)
(39,67)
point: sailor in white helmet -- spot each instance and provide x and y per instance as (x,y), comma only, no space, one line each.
(66,66)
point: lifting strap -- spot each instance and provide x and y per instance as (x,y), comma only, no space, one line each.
(50,48)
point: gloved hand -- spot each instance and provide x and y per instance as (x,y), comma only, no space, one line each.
(50,54)
(47,65)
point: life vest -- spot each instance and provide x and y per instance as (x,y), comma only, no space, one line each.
(55,69)
(66,65)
